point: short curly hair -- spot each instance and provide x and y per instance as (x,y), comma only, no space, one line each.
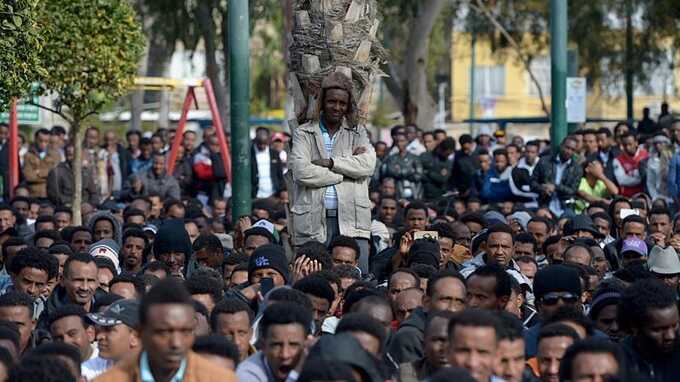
(638,299)
(33,257)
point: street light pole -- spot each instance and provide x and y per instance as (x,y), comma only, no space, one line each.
(558,71)
(239,75)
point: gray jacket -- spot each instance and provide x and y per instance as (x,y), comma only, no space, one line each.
(165,185)
(350,175)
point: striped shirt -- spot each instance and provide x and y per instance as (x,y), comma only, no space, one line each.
(331,196)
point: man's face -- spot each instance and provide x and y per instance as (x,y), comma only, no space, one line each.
(254,242)
(133,252)
(524,249)
(550,303)
(174,260)
(499,247)
(659,332)
(104,277)
(539,231)
(501,162)
(63,220)
(607,321)
(271,273)
(81,241)
(416,220)
(568,149)
(236,328)
(602,226)
(590,143)
(660,223)
(401,142)
(91,138)
(80,282)
(436,343)
(31,281)
(158,164)
(510,365)
(4,133)
(473,348)
(344,255)
(448,294)
(388,210)
(189,141)
(528,270)
(42,141)
(634,230)
(513,155)
(594,367)
(550,353)
(192,231)
(578,255)
(445,248)
(630,145)
(335,105)
(7,220)
(429,142)
(400,281)
(481,293)
(21,207)
(70,329)
(406,302)
(484,162)
(320,308)
(23,318)
(603,141)
(389,188)
(283,345)
(33,211)
(219,208)
(168,334)
(103,229)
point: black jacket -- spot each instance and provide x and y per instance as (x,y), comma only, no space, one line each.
(407,343)
(545,173)
(437,173)
(275,171)
(463,173)
(656,367)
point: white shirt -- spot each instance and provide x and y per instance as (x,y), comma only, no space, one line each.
(415,147)
(92,368)
(264,179)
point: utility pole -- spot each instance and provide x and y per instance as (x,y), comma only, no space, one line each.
(473,59)
(572,71)
(558,71)
(239,72)
(629,77)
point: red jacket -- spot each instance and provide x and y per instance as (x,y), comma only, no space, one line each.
(630,164)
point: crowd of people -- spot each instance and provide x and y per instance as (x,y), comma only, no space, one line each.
(427,258)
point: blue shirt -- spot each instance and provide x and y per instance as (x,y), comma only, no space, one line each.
(147,376)
(331,196)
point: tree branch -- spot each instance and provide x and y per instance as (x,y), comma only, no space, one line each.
(59,113)
(484,10)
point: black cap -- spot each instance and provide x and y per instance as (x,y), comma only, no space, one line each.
(557,278)
(581,223)
(120,312)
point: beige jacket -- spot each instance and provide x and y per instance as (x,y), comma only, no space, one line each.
(350,175)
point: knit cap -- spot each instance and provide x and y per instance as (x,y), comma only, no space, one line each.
(107,248)
(172,237)
(557,278)
(269,256)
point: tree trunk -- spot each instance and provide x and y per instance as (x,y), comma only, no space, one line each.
(77,173)
(212,67)
(226,121)
(419,107)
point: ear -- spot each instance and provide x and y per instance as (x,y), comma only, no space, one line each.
(135,341)
(91,333)
(504,301)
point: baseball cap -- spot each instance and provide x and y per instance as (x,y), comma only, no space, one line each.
(120,312)
(634,245)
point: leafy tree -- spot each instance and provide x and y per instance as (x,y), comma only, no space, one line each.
(20,44)
(91,52)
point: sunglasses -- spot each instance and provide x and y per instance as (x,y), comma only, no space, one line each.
(551,299)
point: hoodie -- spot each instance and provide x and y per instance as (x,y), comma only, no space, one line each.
(407,343)
(117,229)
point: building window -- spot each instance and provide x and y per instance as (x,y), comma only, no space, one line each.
(540,67)
(489,81)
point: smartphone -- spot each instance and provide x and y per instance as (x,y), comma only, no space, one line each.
(432,235)
(266,284)
(625,212)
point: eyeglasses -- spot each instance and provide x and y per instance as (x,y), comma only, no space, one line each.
(555,297)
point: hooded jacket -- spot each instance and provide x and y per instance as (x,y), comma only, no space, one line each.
(407,343)
(117,230)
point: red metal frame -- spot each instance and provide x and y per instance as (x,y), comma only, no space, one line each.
(217,124)
(13,148)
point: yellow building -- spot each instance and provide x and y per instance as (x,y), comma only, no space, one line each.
(503,88)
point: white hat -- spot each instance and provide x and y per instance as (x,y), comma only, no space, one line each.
(106,248)
(663,261)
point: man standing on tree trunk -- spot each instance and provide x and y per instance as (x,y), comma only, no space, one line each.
(332,161)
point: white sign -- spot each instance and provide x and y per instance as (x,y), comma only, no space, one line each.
(576,99)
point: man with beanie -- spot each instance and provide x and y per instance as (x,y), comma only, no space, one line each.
(554,287)
(108,249)
(172,246)
(332,161)
(268,261)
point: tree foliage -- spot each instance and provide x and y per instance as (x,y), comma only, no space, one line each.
(20,45)
(91,52)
